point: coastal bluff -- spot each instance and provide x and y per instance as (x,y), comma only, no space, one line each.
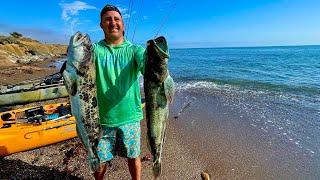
(16,49)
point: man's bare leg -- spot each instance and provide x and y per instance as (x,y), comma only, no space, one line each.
(98,175)
(135,168)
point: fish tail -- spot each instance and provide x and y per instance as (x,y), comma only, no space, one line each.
(156,169)
(94,163)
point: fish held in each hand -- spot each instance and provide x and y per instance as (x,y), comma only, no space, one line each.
(80,80)
(159,91)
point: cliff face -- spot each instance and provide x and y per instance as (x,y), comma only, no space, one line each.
(22,50)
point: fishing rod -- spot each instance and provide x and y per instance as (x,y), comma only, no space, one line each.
(165,19)
(185,105)
(136,21)
(163,22)
(129,17)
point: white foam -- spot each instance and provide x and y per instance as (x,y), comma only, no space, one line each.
(213,87)
(202,85)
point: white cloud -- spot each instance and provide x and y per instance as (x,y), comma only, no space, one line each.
(124,12)
(70,10)
(73,22)
(125,16)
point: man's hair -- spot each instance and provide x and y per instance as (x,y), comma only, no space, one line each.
(107,8)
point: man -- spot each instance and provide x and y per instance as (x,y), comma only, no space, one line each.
(118,64)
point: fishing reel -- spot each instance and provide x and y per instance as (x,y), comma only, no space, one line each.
(35,115)
(38,115)
(64,110)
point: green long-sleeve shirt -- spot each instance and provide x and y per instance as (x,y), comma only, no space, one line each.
(118,90)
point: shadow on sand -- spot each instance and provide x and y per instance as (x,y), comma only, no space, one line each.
(17,169)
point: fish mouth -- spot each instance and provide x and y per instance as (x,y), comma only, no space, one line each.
(161,46)
(79,38)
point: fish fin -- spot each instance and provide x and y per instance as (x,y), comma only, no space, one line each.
(70,82)
(63,67)
(169,88)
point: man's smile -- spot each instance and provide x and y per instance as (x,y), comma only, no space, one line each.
(113,29)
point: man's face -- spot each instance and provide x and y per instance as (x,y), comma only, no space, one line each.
(112,25)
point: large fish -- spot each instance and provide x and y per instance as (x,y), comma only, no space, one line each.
(80,80)
(159,91)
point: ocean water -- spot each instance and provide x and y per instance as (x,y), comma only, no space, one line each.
(248,113)
(263,99)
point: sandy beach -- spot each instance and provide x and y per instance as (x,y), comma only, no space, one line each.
(15,73)
(216,131)
(246,77)
(67,160)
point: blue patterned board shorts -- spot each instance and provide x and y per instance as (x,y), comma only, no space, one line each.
(123,141)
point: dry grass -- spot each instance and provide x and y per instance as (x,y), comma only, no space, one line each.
(24,46)
(13,49)
(5,60)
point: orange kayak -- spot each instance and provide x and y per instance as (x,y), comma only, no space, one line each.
(30,128)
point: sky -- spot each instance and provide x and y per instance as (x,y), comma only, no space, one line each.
(184,23)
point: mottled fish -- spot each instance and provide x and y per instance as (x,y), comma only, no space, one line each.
(80,80)
(159,91)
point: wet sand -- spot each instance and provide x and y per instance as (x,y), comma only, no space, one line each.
(206,136)
(229,147)
(51,162)
(15,73)
(67,160)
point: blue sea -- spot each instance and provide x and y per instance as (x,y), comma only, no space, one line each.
(257,108)
(248,113)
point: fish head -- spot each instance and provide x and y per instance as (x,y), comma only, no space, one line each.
(157,56)
(160,47)
(79,50)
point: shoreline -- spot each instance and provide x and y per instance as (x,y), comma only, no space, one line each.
(20,72)
(67,160)
(215,133)
(222,136)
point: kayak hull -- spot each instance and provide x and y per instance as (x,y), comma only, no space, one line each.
(49,87)
(33,95)
(20,137)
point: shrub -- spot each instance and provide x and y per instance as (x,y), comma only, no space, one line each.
(16,34)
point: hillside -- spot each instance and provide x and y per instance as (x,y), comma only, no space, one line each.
(16,49)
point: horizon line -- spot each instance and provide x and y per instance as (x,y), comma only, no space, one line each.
(253,46)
